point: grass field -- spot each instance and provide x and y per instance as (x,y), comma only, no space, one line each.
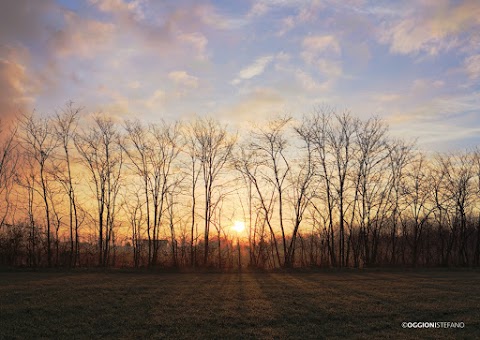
(354,304)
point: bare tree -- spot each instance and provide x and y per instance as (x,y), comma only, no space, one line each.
(476,169)
(133,205)
(39,142)
(100,151)
(372,186)
(9,158)
(320,125)
(214,146)
(399,157)
(334,190)
(65,127)
(249,163)
(191,149)
(418,200)
(301,185)
(458,175)
(333,137)
(152,152)
(271,143)
(341,138)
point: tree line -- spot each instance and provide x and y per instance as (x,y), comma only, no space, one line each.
(329,190)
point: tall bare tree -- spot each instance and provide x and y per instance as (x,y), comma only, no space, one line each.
(320,125)
(399,157)
(418,200)
(341,138)
(65,127)
(301,183)
(153,152)
(271,144)
(373,186)
(101,153)
(191,150)
(249,164)
(214,146)
(39,142)
(9,158)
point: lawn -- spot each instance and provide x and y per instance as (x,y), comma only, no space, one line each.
(358,304)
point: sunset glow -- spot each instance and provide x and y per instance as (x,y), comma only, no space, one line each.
(239,226)
(144,123)
(216,169)
(414,63)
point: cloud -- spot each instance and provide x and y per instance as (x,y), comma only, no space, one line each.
(260,102)
(254,69)
(127,11)
(314,46)
(431,27)
(82,37)
(308,83)
(22,24)
(323,52)
(306,13)
(14,97)
(158,98)
(23,20)
(184,79)
(288,23)
(211,17)
(197,41)
(472,66)
(134,84)
(330,68)
(422,86)
(386,97)
(176,30)
(262,7)
(437,108)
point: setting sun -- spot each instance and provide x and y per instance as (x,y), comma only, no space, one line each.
(239,226)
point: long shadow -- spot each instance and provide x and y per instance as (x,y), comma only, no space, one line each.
(379,306)
(295,313)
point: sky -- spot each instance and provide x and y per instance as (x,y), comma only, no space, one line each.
(416,63)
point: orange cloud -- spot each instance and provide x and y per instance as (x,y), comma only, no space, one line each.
(432,27)
(82,37)
(14,97)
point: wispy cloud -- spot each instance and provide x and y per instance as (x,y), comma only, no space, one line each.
(195,40)
(213,18)
(309,84)
(323,52)
(184,79)
(254,69)
(306,13)
(472,66)
(86,42)
(157,99)
(410,61)
(125,10)
(262,7)
(431,27)
(313,46)
(260,102)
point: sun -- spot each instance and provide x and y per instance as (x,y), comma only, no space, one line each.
(239,226)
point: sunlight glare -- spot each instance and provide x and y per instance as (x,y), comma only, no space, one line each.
(239,226)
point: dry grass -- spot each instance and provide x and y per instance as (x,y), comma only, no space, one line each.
(354,304)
